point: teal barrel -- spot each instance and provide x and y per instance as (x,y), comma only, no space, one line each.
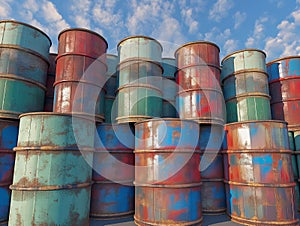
(8,140)
(24,54)
(111,85)
(297,156)
(52,175)
(245,86)
(140,78)
(294,159)
(169,88)
(48,105)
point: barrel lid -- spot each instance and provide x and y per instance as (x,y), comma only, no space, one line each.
(240,51)
(196,42)
(77,115)
(282,58)
(28,25)
(140,36)
(256,121)
(166,119)
(85,30)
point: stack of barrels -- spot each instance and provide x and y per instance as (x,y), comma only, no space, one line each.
(53,173)
(49,96)
(259,180)
(284,82)
(200,98)
(23,69)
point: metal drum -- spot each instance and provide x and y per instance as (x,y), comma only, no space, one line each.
(259,177)
(113,190)
(80,64)
(48,105)
(167,175)
(23,68)
(9,135)
(284,79)
(169,88)
(52,179)
(294,159)
(199,96)
(140,78)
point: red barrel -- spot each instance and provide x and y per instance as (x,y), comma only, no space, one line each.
(259,177)
(48,105)
(80,73)
(198,76)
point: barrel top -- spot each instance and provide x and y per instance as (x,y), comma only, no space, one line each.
(256,121)
(28,25)
(167,58)
(140,36)
(196,42)
(53,54)
(84,30)
(242,50)
(77,115)
(111,55)
(166,119)
(282,58)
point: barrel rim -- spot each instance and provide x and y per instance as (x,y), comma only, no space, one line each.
(196,42)
(256,121)
(140,36)
(77,115)
(53,54)
(282,58)
(166,119)
(111,55)
(243,50)
(28,25)
(84,30)
(168,58)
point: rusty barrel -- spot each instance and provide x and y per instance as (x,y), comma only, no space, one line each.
(198,77)
(52,176)
(169,88)
(284,80)
(48,104)
(297,156)
(167,175)
(140,77)
(245,86)
(259,176)
(9,135)
(113,172)
(111,85)
(24,53)
(80,73)
(212,171)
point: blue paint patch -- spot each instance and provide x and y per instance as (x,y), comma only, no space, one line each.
(262,160)
(9,137)
(4,203)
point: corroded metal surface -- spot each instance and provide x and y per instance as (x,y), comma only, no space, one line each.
(142,47)
(259,176)
(203,105)
(25,36)
(48,104)
(243,60)
(167,180)
(252,106)
(79,98)
(113,191)
(170,67)
(112,73)
(294,158)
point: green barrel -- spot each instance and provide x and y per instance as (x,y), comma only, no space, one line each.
(294,159)
(24,52)
(245,86)
(52,175)
(110,109)
(169,88)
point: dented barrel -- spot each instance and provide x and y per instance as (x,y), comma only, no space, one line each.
(24,53)
(9,135)
(113,190)
(59,146)
(167,175)
(259,177)
(245,86)
(284,82)
(48,104)
(80,73)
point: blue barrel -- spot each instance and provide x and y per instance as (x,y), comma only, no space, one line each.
(167,176)
(52,175)
(9,135)
(113,190)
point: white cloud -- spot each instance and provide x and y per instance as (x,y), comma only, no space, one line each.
(220,9)
(258,33)
(218,36)
(230,46)
(80,9)
(239,18)
(5,9)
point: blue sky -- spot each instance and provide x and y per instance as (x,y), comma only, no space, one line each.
(269,25)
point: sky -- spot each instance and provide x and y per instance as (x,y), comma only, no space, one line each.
(269,25)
